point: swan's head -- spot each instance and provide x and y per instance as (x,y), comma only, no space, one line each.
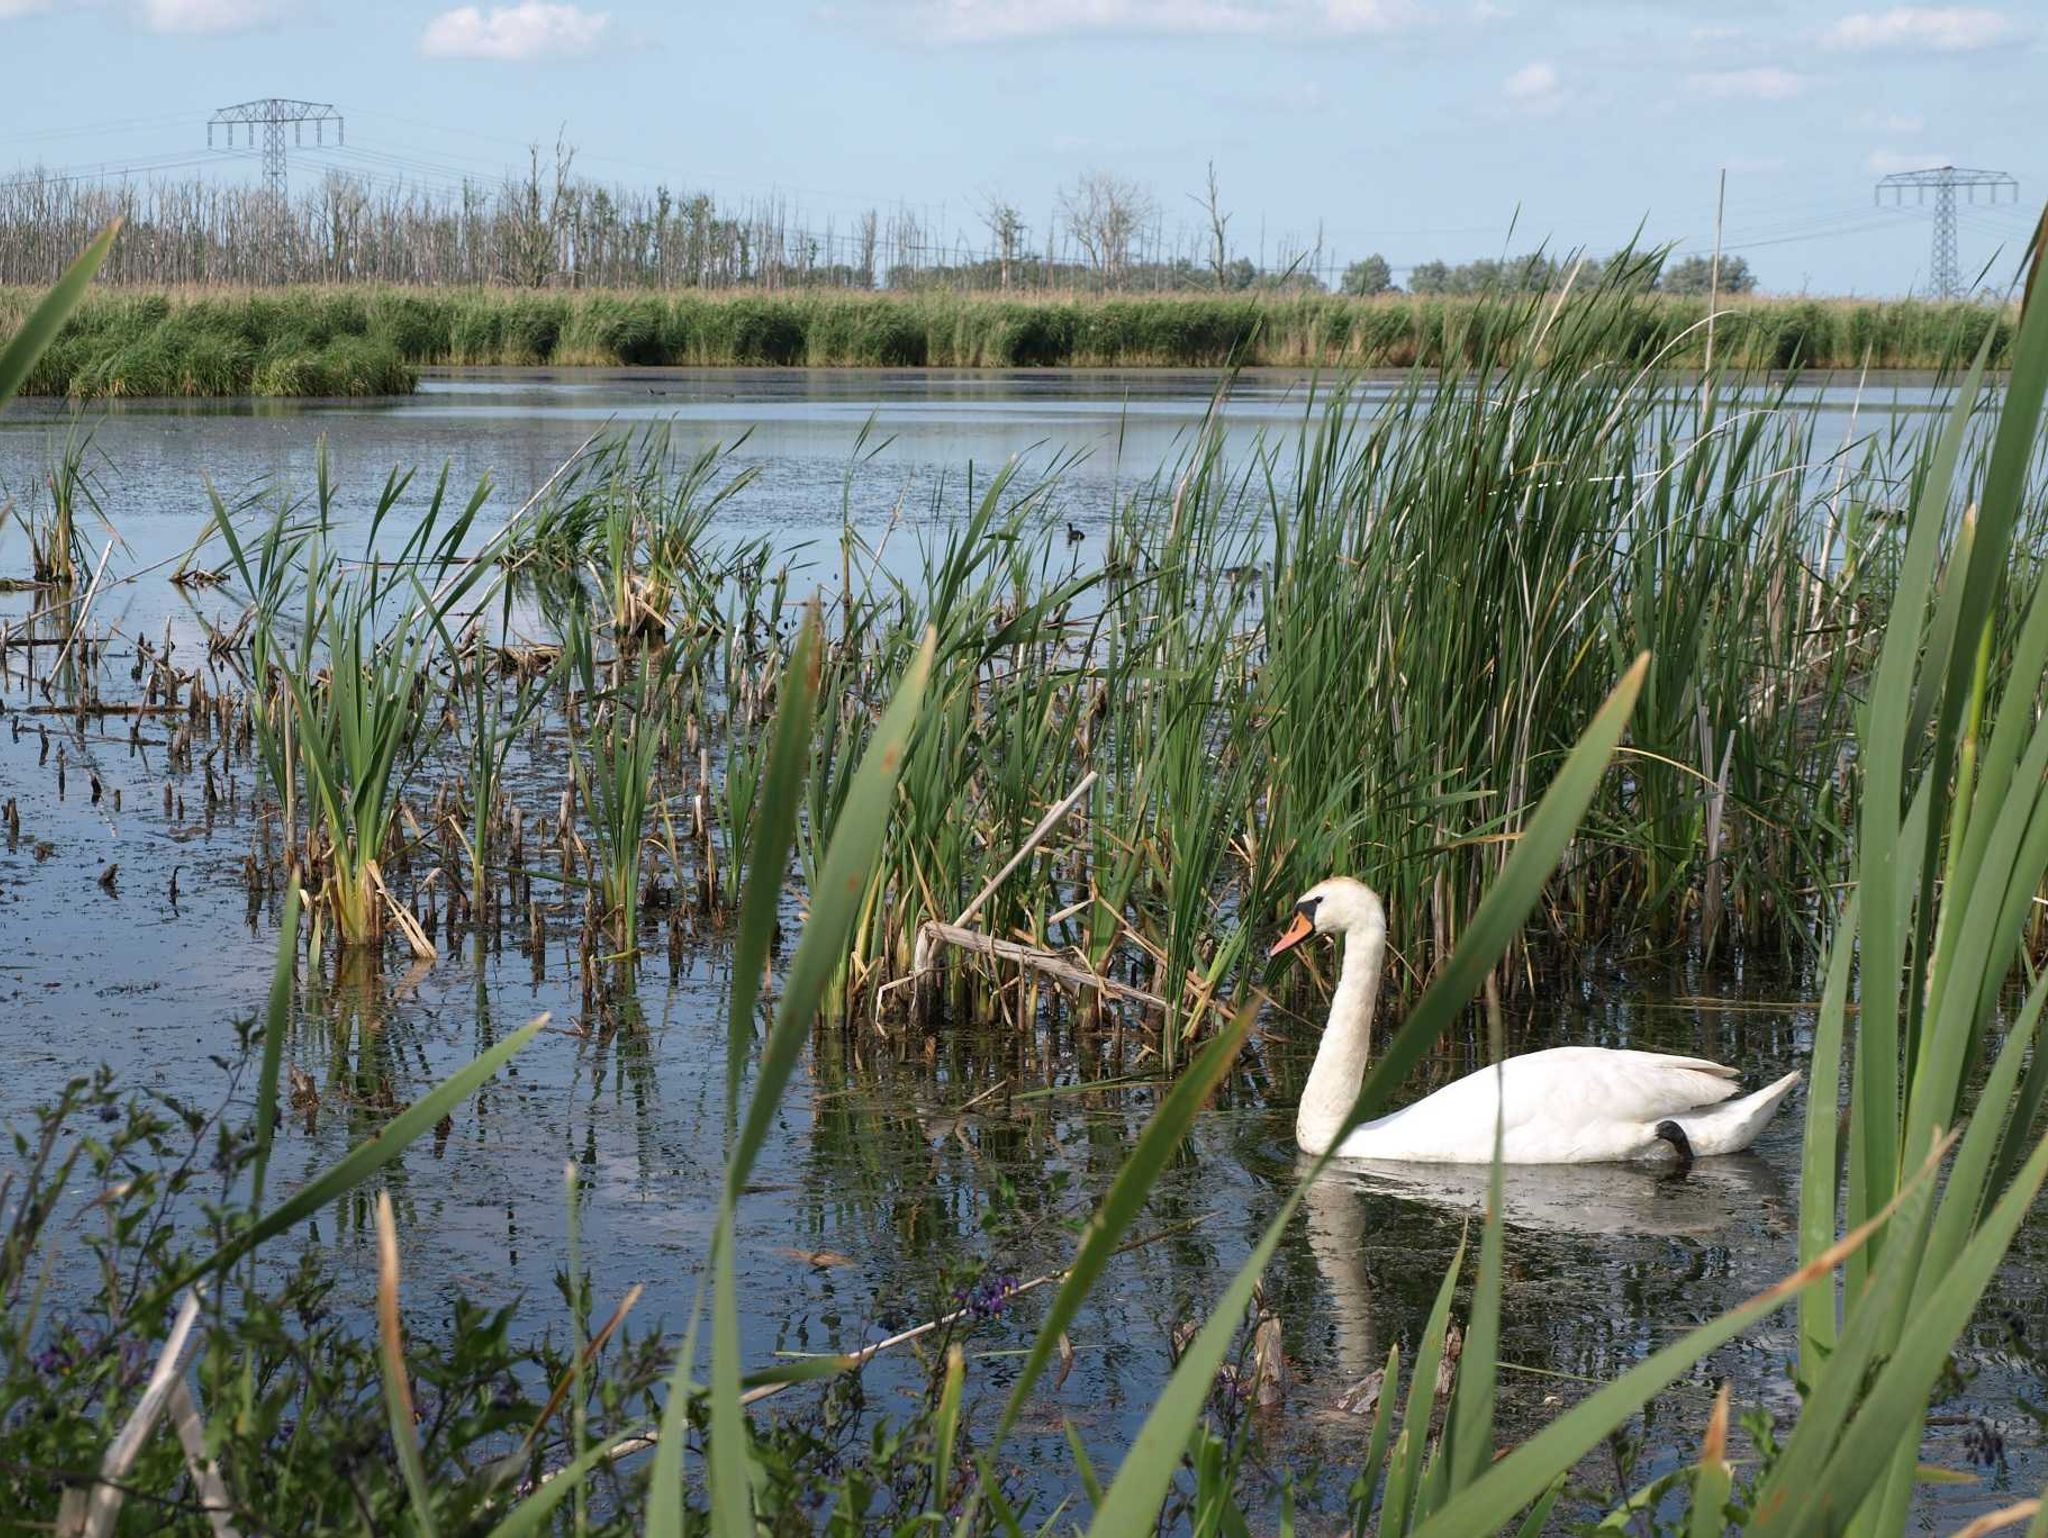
(1338,906)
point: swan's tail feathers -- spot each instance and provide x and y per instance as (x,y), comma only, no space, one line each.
(1733,1125)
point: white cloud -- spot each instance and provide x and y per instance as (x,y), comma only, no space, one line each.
(1892,122)
(1764,83)
(1942,28)
(1885,162)
(1364,15)
(1535,87)
(9,9)
(532,29)
(208,15)
(980,21)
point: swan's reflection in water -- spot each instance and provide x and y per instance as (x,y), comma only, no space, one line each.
(1733,1200)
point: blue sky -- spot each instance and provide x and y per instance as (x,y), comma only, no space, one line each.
(1417,130)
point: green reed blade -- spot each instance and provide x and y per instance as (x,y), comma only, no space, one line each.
(1538,1520)
(835,900)
(665,1478)
(1521,1476)
(2018,1132)
(1982,917)
(1820,1145)
(1407,1493)
(945,1428)
(849,861)
(1970,1184)
(364,1160)
(1832,1397)
(774,833)
(1887,1421)
(1125,1201)
(531,1515)
(1131,1503)
(276,1021)
(1471,1414)
(1376,1440)
(1507,902)
(1713,1476)
(48,317)
(1875,1130)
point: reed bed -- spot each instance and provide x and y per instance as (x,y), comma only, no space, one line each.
(1545,655)
(355,340)
(1361,646)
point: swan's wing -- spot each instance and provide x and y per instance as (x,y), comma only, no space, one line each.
(1563,1105)
(1590,1084)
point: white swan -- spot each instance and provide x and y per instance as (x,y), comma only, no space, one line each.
(1566,1105)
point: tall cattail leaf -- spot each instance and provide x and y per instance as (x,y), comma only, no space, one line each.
(362,1161)
(835,901)
(276,1021)
(1125,1201)
(19,356)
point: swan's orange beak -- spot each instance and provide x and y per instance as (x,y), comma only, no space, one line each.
(1297,931)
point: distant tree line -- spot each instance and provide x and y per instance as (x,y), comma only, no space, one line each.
(547,227)
(1538,273)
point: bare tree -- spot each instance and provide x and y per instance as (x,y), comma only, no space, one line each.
(1006,227)
(1104,213)
(538,227)
(1211,201)
(868,235)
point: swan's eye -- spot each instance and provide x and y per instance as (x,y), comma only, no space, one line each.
(1307,908)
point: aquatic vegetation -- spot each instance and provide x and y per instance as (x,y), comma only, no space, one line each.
(372,341)
(491,727)
(346,652)
(59,554)
(631,713)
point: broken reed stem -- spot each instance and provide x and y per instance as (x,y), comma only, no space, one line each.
(191,1429)
(1051,963)
(1046,824)
(92,1511)
(931,933)
(84,608)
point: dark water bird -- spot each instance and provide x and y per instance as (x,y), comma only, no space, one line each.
(1074,535)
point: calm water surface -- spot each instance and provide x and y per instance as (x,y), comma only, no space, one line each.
(874,1184)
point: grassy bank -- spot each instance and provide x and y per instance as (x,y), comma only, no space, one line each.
(369,341)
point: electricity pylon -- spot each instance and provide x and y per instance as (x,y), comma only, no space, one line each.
(272,113)
(1945,182)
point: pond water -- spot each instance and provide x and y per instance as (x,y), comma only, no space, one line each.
(875,1182)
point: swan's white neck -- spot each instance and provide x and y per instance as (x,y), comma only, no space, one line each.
(1339,1069)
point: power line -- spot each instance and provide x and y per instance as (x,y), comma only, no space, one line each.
(146,167)
(111,126)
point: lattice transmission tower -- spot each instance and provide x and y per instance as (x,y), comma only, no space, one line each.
(1945,182)
(272,114)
